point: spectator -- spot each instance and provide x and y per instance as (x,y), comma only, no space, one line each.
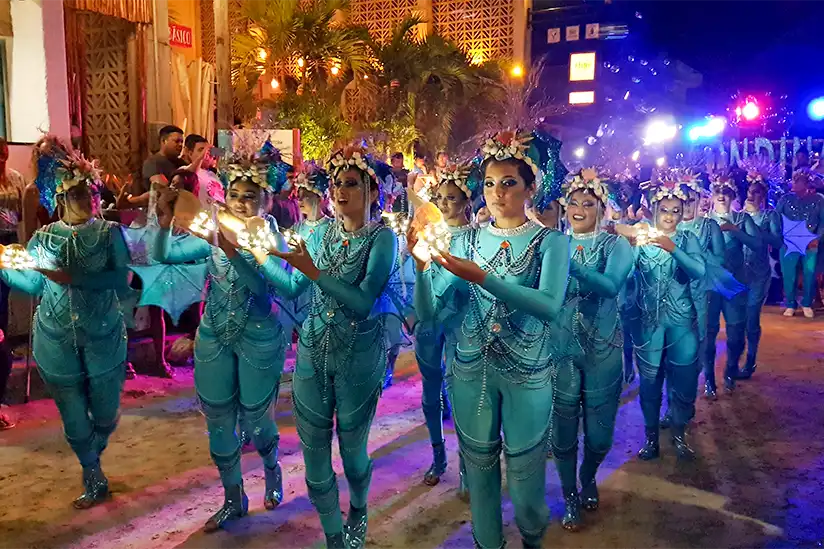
(12,185)
(195,153)
(400,203)
(158,166)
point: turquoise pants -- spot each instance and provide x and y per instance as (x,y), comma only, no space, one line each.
(755,301)
(670,351)
(789,270)
(735,318)
(85,383)
(344,393)
(591,383)
(242,378)
(484,405)
(432,353)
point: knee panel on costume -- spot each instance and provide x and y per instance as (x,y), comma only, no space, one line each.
(523,464)
(477,455)
(314,431)
(565,422)
(324,495)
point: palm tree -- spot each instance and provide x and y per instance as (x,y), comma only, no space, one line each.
(299,47)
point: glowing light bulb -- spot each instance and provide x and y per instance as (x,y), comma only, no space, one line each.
(335,70)
(660,161)
(579,152)
(301,62)
(750,111)
(636,155)
(274,83)
(517,71)
(262,54)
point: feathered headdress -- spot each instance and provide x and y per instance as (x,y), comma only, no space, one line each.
(587,179)
(255,159)
(77,170)
(48,153)
(457,175)
(664,185)
(690,179)
(314,179)
(539,151)
(721,180)
(762,172)
(622,189)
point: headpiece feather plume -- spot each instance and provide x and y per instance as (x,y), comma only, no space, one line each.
(48,152)
(255,159)
(313,178)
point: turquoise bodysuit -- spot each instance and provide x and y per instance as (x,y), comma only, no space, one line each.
(734,307)
(811,210)
(668,330)
(239,353)
(757,263)
(79,338)
(340,362)
(591,380)
(500,377)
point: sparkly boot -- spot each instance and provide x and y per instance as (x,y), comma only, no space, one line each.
(729,384)
(710,391)
(531,543)
(650,449)
(96,488)
(572,512)
(391,358)
(666,421)
(354,531)
(682,449)
(589,496)
(438,467)
(463,487)
(748,370)
(335,541)
(235,505)
(274,487)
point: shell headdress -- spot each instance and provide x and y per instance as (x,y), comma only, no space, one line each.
(538,150)
(349,158)
(622,189)
(588,179)
(721,180)
(314,179)
(260,164)
(690,179)
(459,176)
(665,185)
(77,170)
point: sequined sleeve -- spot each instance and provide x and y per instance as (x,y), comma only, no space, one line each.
(544,302)
(28,282)
(689,258)
(287,285)
(114,278)
(609,283)
(180,249)
(361,298)
(774,235)
(748,234)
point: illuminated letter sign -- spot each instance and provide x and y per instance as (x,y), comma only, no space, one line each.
(581,67)
(582,98)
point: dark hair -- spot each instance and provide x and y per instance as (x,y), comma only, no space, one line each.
(420,155)
(398,155)
(192,140)
(166,131)
(441,153)
(524,170)
(189,179)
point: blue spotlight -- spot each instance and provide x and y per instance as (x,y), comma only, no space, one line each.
(815,109)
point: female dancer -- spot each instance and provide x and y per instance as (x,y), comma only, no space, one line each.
(599,266)
(342,346)
(513,275)
(79,342)
(239,347)
(435,341)
(739,231)
(666,261)
(757,261)
(801,204)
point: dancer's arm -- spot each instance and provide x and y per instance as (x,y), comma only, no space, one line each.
(614,277)
(179,249)
(546,301)
(774,235)
(716,245)
(28,282)
(747,234)
(288,284)
(689,258)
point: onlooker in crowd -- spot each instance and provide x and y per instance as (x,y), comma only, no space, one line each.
(400,203)
(195,154)
(12,185)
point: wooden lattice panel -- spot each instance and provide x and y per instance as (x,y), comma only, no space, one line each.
(482,28)
(381,16)
(106,96)
(237,22)
(207,30)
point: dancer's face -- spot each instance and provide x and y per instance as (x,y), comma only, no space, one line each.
(244,199)
(452,202)
(691,207)
(549,217)
(801,184)
(582,212)
(505,191)
(79,202)
(722,200)
(668,214)
(309,204)
(351,194)
(756,196)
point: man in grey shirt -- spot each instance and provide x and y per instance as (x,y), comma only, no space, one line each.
(163,163)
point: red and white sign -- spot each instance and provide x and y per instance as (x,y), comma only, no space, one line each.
(180,36)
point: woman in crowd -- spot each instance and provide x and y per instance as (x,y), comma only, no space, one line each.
(513,275)
(239,348)
(341,356)
(79,338)
(591,382)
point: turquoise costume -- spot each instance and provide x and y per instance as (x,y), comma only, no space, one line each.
(341,360)
(810,210)
(79,338)
(757,264)
(591,381)
(239,346)
(667,339)
(734,307)
(500,379)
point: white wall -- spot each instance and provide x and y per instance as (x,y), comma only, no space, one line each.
(28,104)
